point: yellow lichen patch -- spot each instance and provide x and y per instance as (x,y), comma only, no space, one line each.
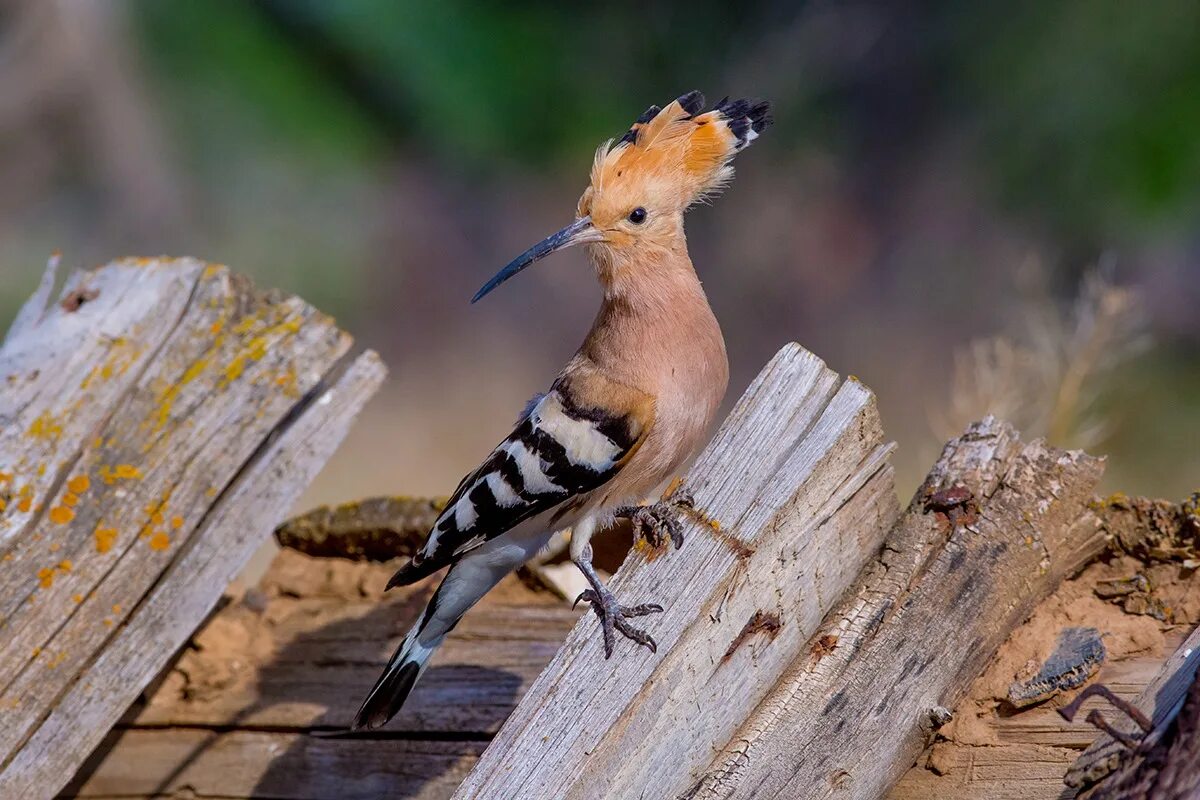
(111,475)
(105,537)
(45,577)
(159,541)
(108,623)
(210,491)
(79,484)
(117,608)
(176,522)
(61,515)
(37,651)
(5,477)
(3,504)
(77,598)
(193,372)
(45,426)
(65,565)
(58,659)
(157,518)
(54,548)
(70,499)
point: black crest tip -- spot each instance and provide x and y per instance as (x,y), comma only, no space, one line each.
(692,102)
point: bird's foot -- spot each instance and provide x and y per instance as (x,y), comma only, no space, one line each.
(658,522)
(613,615)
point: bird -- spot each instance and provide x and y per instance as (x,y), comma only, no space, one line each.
(631,408)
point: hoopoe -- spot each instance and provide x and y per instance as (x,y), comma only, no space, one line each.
(631,407)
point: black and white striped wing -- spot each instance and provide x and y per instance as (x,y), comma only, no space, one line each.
(557,452)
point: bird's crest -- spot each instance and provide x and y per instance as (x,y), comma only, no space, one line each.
(683,146)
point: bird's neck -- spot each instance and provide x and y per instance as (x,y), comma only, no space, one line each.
(655,329)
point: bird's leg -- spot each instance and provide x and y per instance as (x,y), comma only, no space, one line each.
(658,521)
(611,613)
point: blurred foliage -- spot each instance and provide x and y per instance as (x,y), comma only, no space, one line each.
(480,82)
(1088,109)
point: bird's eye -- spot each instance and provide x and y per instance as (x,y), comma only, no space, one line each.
(637,216)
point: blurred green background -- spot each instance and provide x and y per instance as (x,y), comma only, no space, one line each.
(939,173)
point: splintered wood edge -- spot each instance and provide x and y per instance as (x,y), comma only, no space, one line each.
(794,397)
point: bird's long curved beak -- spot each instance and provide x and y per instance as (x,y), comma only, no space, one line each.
(579,231)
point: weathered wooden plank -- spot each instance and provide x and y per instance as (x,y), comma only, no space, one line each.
(925,618)
(792,496)
(159,421)
(303,662)
(178,762)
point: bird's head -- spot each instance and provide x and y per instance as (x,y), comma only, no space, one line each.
(642,184)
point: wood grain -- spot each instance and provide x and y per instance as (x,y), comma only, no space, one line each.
(792,496)
(923,620)
(158,422)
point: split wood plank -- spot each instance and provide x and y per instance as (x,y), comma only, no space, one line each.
(792,497)
(925,618)
(157,423)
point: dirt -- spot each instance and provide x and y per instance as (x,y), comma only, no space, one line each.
(1075,604)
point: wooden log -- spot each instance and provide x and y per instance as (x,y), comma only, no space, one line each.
(157,423)
(1161,701)
(959,571)
(792,497)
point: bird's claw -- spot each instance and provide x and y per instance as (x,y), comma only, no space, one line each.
(658,522)
(612,617)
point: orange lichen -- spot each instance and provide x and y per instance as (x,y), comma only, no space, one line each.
(108,623)
(78,598)
(37,651)
(105,537)
(70,499)
(6,477)
(79,484)
(65,565)
(117,608)
(25,504)
(159,541)
(156,517)
(54,548)
(215,328)
(3,504)
(176,522)
(45,577)
(61,515)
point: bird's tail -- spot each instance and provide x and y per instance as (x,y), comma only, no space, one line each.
(462,588)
